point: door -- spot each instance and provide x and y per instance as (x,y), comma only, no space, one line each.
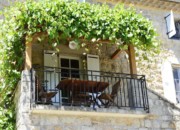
(70,68)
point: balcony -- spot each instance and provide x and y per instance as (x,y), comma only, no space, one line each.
(90,89)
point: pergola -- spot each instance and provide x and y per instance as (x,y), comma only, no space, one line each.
(130,51)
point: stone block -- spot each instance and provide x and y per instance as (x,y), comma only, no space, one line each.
(157,110)
(58,128)
(69,120)
(87,128)
(176,112)
(156,124)
(148,123)
(142,123)
(23,127)
(159,102)
(85,120)
(151,102)
(25,119)
(152,96)
(176,117)
(165,125)
(45,127)
(49,120)
(166,118)
(143,128)
(35,119)
(35,127)
(132,129)
(178,125)
(104,127)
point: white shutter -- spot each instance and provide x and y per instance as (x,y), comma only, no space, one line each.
(50,74)
(50,58)
(171,31)
(93,64)
(168,82)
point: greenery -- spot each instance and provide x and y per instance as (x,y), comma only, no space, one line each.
(61,20)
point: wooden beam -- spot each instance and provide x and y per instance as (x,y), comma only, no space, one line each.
(117,52)
(28,56)
(127,52)
(132,61)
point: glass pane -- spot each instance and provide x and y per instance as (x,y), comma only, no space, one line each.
(178,73)
(64,62)
(75,73)
(65,73)
(175,73)
(75,64)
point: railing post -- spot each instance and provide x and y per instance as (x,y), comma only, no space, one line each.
(131,94)
(144,95)
(28,55)
(147,103)
(132,60)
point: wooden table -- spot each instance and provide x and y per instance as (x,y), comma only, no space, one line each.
(77,87)
(82,85)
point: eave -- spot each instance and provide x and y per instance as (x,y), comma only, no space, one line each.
(165,5)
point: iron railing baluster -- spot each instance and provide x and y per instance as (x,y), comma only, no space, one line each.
(132,90)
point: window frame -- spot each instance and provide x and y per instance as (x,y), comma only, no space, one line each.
(176,66)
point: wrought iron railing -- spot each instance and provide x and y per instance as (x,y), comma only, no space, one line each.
(73,87)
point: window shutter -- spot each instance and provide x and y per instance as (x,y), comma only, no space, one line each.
(93,64)
(168,82)
(51,79)
(171,31)
(50,58)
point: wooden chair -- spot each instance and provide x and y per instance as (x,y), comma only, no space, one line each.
(41,95)
(80,98)
(108,98)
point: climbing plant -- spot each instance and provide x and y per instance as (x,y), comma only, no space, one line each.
(61,20)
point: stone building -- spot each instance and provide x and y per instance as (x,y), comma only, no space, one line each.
(154,108)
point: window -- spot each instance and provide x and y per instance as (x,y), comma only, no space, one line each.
(69,69)
(177,27)
(176,74)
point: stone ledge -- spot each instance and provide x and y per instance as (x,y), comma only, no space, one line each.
(173,105)
(89,112)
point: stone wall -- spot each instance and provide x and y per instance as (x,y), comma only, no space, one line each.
(152,64)
(120,64)
(163,114)
(23,100)
(158,68)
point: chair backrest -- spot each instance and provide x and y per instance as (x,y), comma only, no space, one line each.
(115,88)
(39,87)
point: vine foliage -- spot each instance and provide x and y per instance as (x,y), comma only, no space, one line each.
(61,20)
